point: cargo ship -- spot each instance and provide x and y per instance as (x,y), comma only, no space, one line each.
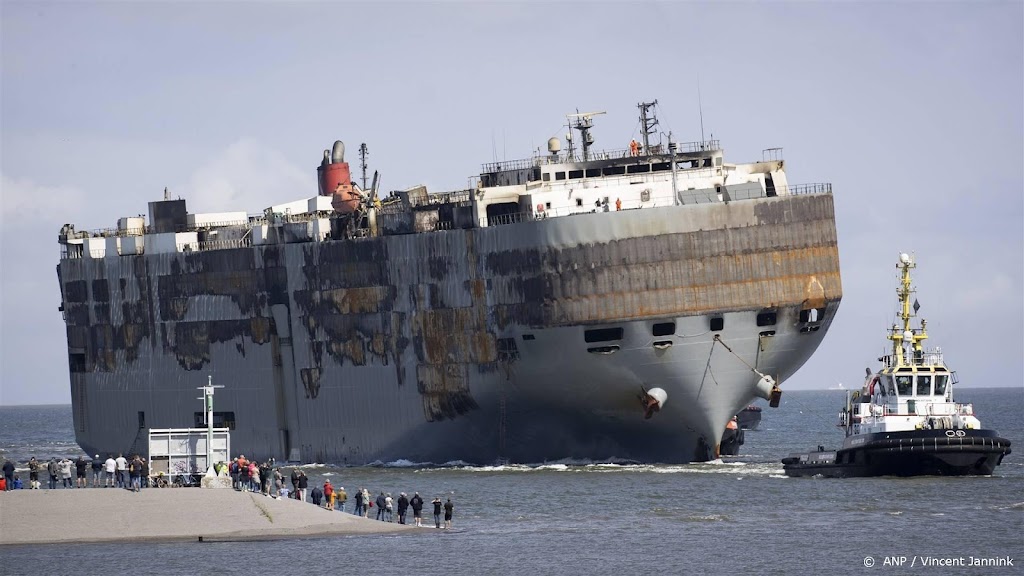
(579,304)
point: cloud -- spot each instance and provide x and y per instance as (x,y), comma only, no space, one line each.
(24,200)
(248,176)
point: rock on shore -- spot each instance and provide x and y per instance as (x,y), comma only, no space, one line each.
(167,514)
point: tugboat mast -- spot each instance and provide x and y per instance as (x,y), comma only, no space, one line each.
(907,335)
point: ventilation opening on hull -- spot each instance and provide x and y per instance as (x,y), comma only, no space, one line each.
(528,337)
(766,333)
(717,324)
(662,344)
(603,349)
(812,315)
(768,318)
(664,329)
(808,329)
(602,335)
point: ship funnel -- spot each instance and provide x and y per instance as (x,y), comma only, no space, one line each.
(338,152)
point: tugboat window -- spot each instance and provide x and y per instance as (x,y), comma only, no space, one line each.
(924,385)
(887,384)
(904,385)
(940,384)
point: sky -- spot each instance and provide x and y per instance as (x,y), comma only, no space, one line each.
(914,111)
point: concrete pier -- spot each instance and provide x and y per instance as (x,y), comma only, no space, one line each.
(168,514)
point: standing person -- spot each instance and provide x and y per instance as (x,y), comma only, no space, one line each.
(135,473)
(145,472)
(328,495)
(367,503)
(295,479)
(360,503)
(33,474)
(341,497)
(381,502)
(80,471)
(317,495)
(9,474)
(437,511)
(110,468)
(54,470)
(388,507)
(449,508)
(417,508)
(97,471)
(122,471)
(65,473)
(265,478)
(278,483)
(403,507)
(233,472)
(303,485)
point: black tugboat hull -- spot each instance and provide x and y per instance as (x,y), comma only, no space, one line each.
(731,442)
(911,453)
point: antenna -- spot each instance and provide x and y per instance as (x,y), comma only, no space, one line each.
(700,108)
(363,153)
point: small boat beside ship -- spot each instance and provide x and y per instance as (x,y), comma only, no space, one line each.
(904,421)
(749,418)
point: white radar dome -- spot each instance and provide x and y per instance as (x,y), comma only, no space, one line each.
(554,145)
(905,258)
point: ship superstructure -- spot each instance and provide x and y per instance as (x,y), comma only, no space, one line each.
(605,305)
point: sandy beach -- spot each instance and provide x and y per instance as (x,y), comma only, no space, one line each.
(172,514)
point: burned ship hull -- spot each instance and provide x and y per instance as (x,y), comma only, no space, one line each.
(525,342)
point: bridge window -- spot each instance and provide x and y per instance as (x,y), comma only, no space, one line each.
(574,174)
(639,168)
(940,384)
(661,166)
(602,334)
(904,385)
(664,329)
(614,170)
(559,175)
(924,385)
(593,172)
(546,177)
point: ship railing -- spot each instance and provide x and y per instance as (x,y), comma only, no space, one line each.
(804,189)
(615,154)
(636,202)
(924,358)
(224,244)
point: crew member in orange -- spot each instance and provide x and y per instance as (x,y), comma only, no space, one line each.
(732,424)
(618,204)
(634,148)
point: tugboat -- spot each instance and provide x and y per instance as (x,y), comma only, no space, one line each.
(732,439)
(904,421)
(749,418)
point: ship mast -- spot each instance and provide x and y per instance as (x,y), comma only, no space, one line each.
(907,336)
(584,122)
(363,153)
(647,123)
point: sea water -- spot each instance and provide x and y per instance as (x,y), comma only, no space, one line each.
(740,515)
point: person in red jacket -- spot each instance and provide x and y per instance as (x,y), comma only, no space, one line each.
(329,495)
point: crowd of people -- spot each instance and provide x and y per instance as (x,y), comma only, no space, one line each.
(246,476)
(113,472)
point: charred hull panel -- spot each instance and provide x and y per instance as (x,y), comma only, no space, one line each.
(465,345)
